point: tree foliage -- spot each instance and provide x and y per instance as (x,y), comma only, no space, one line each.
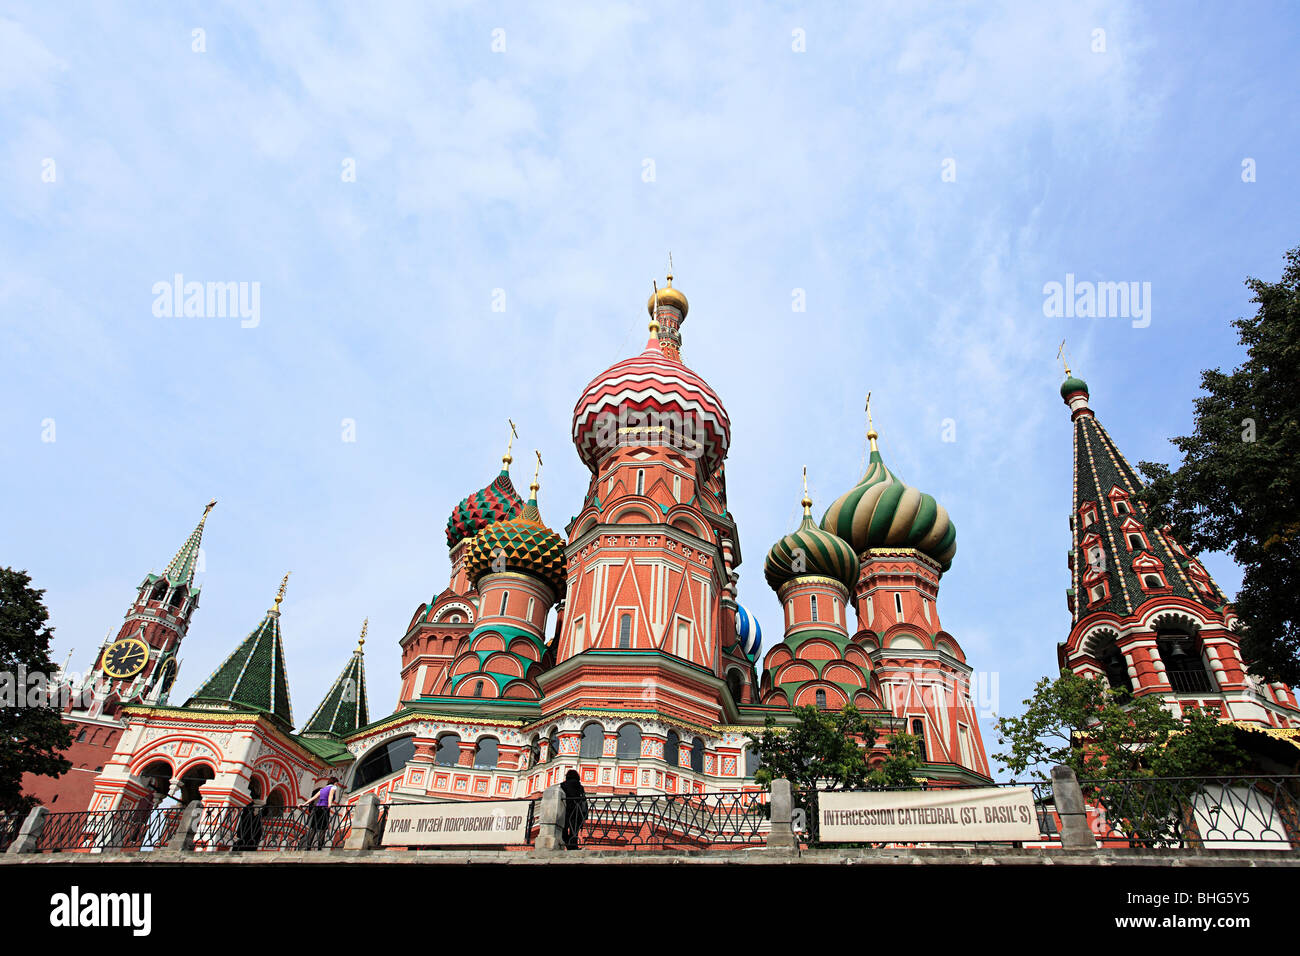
(1236,491)
(31,737)
(830,750)
(1105,733)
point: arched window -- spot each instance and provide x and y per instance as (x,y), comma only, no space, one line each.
(898,605)
(159,591)
(486,753)
(640,481)
(821,698)
(752,761)
(534,751)
(505,597)
(629,742)
(812,603)
(178,596)
(194,778)
(593,742)
(672,749)
(275,802)
(158,776)
(918,730)
(553,744)
(735,684)
(383,760)
(448,754)
(625,631)
(697,755)
(1116,666)
(1153,581)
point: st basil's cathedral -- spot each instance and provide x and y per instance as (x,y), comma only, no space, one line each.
(648,674)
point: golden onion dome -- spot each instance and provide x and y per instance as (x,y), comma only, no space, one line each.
(670,297)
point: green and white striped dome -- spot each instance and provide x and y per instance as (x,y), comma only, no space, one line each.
(810,550)
(882,512)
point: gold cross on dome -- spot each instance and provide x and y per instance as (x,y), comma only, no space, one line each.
(1060,353)
(510,441)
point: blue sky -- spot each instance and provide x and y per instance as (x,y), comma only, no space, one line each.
(524,170)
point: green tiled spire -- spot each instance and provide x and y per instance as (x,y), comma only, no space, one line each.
(253,677)
(1101,475)
(181,568)
(344,708)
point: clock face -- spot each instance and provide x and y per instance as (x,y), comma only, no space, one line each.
(126,658)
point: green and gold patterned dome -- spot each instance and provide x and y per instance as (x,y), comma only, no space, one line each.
(810,550)
(523,544)
(882,512)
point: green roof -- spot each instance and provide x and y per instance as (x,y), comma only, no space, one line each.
(344,708)
(180,570)
(253,677)
(324,747)
(1099,469)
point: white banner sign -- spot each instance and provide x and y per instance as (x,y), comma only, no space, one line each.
(928,816)
(451,824)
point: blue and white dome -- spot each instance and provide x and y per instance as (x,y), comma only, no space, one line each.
(748,633)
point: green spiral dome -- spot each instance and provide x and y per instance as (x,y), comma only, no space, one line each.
(882,512)
(525,545)
(810,550)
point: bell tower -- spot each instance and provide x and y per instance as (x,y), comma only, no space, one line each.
(138,666)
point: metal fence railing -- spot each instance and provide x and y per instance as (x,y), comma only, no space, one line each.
(655,821)
(1238,812)
(139,829)
(254,828)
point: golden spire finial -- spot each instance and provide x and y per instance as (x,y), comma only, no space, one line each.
(670,269)
(361,642)
(654,316)
(872,434)
(280,595)
(536,472)
(806,502)
(506,459)
(1060,353)
(211,504)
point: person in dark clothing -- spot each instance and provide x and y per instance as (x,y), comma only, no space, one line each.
(248,829)
(575,808)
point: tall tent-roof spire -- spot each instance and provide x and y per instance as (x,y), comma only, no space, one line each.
(1121,560)
(253,678)
(180,570)
(345,707)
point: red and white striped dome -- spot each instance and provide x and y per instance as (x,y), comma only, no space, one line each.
(651,399)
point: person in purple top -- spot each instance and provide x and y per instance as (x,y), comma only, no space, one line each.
(319,804)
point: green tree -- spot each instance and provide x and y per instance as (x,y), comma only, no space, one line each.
(828,750)
(1109,735)
(1236,490)
(31,738)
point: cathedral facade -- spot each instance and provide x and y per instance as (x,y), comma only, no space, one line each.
(614,646)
